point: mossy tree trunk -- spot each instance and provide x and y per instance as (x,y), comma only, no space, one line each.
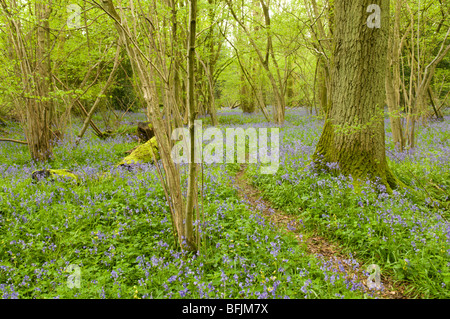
(353,134)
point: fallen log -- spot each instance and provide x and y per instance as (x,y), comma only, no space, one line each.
(144,153)
(54,174)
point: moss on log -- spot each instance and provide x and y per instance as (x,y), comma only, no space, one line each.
(142,154)
(54,174)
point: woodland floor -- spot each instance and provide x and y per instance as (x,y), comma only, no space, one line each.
(316,245)
(296,234)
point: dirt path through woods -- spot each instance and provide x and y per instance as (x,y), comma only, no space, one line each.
(323,249)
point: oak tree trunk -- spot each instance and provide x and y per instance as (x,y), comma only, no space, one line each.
(353,134)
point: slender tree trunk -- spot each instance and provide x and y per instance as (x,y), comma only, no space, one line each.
(246,79)
(323,86)
(35,106)
(40,117)
(209,68)
(392,82)
(435,110)
(277,86)
(289,84)
(87,121)
(189,213)
(323,50)
(244,95)
(176,59)
(353,134)
(171,180)
(259,93)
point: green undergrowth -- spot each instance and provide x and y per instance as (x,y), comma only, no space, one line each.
(116,232)
(406,233)
(115,235)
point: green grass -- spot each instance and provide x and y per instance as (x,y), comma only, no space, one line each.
(118,231)
(407,234)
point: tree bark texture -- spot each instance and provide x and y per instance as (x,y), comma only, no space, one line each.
(392,82)
(353,134)
(146,75)
(34,104)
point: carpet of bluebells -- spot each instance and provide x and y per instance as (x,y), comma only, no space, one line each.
(116,229)
(406,233)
